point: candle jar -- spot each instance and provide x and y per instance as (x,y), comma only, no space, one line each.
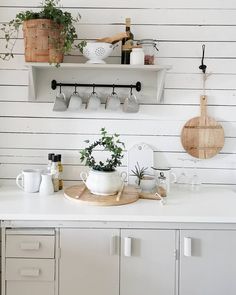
(137,56)
(149,47)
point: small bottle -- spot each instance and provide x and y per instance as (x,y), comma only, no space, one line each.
(162,185)
(60,170)
(127,43)
(55,173)
(49,167)
(137,56)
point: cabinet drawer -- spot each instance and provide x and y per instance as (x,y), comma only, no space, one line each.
(29,288)
(29,269)
(30,246)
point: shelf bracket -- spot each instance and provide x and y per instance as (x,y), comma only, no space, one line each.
(160,85)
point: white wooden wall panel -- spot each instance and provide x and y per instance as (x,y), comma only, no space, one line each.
(29,130)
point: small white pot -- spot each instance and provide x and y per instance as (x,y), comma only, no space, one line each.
(103,183)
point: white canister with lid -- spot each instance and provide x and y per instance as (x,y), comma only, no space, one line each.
(137,56)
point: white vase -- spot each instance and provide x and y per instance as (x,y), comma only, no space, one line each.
(103,183)
(46,186)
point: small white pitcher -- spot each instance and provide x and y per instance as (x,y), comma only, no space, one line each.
(46,186)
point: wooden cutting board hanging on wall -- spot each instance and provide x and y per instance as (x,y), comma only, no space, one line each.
(202,137)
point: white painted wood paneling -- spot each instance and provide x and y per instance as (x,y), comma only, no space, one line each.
(29,130)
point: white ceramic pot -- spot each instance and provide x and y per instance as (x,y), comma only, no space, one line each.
(103,183)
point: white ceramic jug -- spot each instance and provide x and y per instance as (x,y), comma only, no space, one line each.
(46,186)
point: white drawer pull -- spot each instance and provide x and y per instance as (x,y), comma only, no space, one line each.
(30,245)
(187,247)
(127,246)
(30,272)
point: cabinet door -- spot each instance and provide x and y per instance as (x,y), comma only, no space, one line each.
(148,262)
(208,262)
(89,262)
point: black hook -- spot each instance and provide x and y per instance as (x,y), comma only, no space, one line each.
(131,89)
(93,88)
(202,66)
(60,87)
(75,88)
(113,89)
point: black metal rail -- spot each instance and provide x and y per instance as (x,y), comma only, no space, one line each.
(55,84)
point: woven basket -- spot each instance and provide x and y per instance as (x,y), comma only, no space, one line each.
(43,41)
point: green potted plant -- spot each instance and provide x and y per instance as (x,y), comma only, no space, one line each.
(145,181)
(103,179)
(48,34)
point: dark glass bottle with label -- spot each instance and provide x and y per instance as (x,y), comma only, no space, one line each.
(127,44)
(60,171)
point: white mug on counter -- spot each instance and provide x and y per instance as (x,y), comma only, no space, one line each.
(29,180)
(168,174)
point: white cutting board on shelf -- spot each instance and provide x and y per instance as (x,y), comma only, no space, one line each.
(143,154)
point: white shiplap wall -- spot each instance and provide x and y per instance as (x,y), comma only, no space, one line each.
(29,130)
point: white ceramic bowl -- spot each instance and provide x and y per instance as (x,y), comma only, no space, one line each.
(95,52)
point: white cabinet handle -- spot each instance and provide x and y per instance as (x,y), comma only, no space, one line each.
(29,245)
(127,246)
(113,245)
(187,247)
(29,272)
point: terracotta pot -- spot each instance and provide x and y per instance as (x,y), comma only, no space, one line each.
(43,41)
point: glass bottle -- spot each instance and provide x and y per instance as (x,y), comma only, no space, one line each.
(55,173)
(49,167)
(162,185)
(127,43)
(60,172)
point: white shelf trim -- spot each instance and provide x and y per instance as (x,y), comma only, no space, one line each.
(160,71)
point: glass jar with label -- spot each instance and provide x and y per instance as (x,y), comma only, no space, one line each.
(149,47)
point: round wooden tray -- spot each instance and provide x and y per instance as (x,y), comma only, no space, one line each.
(80,193)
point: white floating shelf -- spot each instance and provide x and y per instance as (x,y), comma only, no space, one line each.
(38,81)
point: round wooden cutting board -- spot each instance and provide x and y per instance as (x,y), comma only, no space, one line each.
(202,137)
(80,193)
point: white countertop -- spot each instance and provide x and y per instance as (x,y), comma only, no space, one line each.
(212,204)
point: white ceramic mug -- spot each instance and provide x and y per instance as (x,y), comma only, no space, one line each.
(168,174)
(29,180)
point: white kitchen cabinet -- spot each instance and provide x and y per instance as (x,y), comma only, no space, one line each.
(29,258)
(148,262)
(89,262)
(207,262)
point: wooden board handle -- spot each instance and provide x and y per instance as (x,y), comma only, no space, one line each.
(203,105)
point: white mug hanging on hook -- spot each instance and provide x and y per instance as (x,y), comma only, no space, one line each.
(168,174)
(113,101)
(131,104)
(75,102)
(93,101)
(60,104)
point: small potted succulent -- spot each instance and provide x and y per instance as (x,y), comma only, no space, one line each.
(48,34)
(145,181)
(103,178)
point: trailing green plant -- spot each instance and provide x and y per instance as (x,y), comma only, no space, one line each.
(49,10)
(109,143)
(139,172)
